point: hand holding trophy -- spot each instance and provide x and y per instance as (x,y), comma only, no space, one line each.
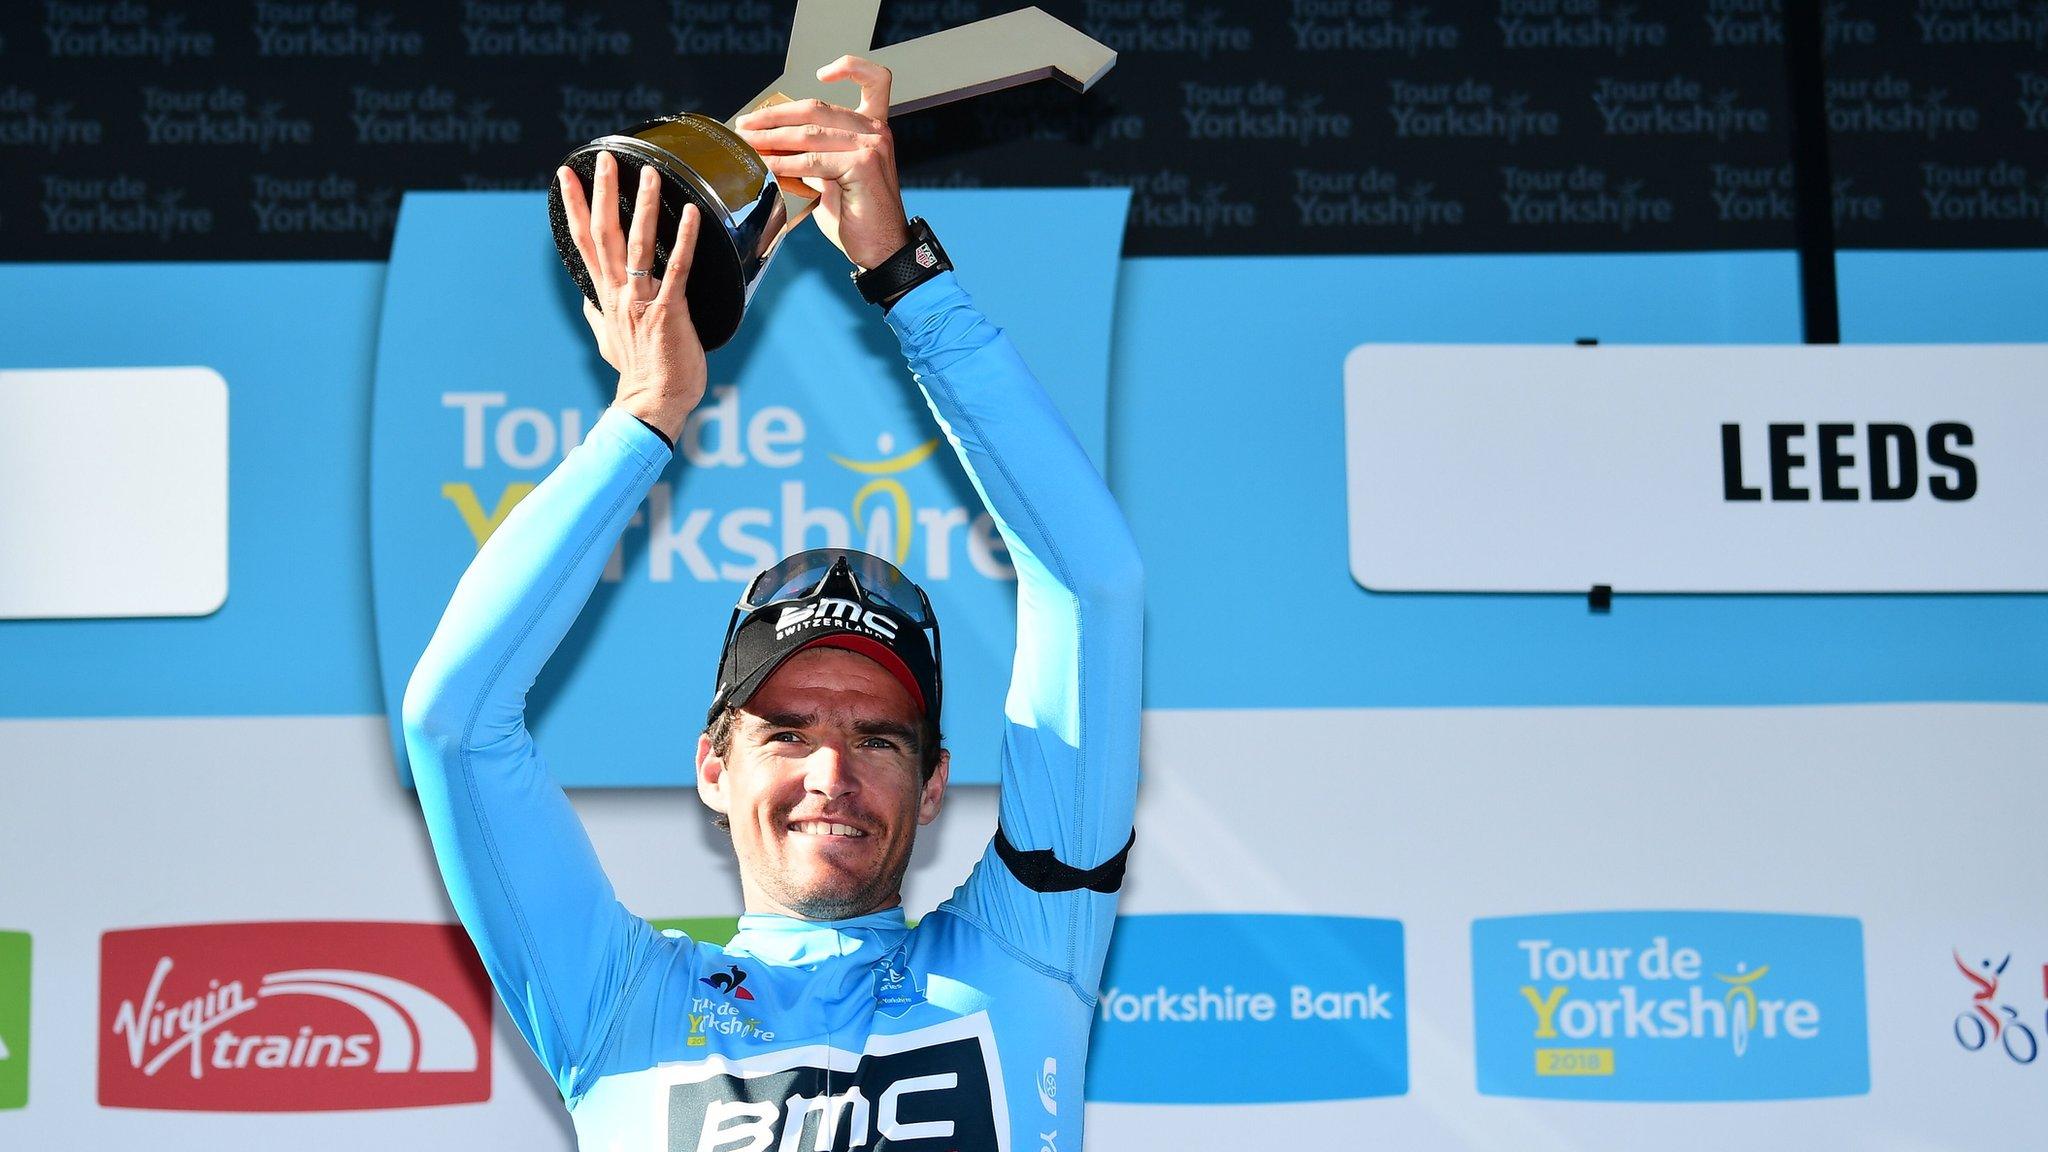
(639,317)
(843,156)
(819,154)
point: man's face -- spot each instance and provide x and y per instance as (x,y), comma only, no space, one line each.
(822,787)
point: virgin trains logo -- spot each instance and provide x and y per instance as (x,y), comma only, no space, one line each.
(937,1089)
(292,1017)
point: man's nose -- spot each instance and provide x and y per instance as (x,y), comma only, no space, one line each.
(828,771)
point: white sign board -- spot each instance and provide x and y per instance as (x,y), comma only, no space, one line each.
(1791,468)
(113,492)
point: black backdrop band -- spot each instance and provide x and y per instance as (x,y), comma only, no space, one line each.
(288,129)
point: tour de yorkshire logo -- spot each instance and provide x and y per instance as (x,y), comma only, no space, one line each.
(1670,1006)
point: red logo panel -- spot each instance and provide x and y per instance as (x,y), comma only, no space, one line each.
(293,1016)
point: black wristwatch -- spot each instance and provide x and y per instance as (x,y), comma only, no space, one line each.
(911,265)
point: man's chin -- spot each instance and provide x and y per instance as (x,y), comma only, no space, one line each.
(823,892)
(830,903)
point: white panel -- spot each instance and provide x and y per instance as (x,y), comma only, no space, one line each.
(299,819)
(1554,469)
(113,492)
(1908,817)
(1912,818)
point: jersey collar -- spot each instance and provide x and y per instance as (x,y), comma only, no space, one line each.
(788,941)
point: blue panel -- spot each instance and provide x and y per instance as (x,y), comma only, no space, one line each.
(1227,444)
(1205,1008)
(294,342)
(1943,297)
(816,424)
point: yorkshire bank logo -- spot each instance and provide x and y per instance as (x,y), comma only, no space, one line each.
(1297,1008)
(1670,1006)
(292,1017)
(14,1004)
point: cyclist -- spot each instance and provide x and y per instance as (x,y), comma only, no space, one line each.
(826,1023)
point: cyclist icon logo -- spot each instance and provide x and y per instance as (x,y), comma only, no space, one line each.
(1979,1025)
(1741,1002)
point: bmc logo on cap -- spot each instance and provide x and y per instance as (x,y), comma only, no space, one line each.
(292,1017)
(831,611)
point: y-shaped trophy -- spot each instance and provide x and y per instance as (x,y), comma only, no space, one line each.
(745,210)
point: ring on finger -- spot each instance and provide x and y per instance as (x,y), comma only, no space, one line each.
(636,273)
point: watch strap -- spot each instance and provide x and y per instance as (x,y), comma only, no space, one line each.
(916,262)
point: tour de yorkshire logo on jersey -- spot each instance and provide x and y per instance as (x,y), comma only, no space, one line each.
(292,1017)
(1670,1006)
(14,996)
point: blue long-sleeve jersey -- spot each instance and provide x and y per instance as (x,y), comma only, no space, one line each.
(966,1033)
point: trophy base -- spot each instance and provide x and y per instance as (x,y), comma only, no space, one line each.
(700,161)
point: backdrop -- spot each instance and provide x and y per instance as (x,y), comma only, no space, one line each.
(1445,870)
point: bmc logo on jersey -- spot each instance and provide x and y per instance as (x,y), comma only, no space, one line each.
(937,1089)
(292,1017)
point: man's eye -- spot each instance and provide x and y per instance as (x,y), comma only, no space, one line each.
(881,742)
(785,737)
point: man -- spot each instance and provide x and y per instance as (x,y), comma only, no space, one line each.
(826,1023)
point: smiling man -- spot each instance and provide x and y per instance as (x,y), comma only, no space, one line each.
(827,1022)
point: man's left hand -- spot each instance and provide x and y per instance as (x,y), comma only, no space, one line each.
(847,153)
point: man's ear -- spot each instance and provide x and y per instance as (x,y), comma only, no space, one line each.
(934,793)
(710,775)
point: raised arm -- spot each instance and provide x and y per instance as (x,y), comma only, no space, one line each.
(519,868)
(1070,750)
(1070,744)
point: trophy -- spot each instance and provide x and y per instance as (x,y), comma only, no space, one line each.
(745,211)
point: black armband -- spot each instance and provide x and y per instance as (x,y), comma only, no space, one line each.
(1041,871)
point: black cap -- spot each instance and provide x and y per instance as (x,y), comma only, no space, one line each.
(837,615)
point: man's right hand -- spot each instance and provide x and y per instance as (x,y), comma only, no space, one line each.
(642,323)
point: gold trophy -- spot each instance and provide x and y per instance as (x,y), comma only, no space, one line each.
(745,210)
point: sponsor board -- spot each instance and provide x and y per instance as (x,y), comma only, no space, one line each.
(1670,1006)
(1185,995)
(14,1006)
(1696,469)
(292,1016)
(138,527)
(811,434)
(939,1088)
